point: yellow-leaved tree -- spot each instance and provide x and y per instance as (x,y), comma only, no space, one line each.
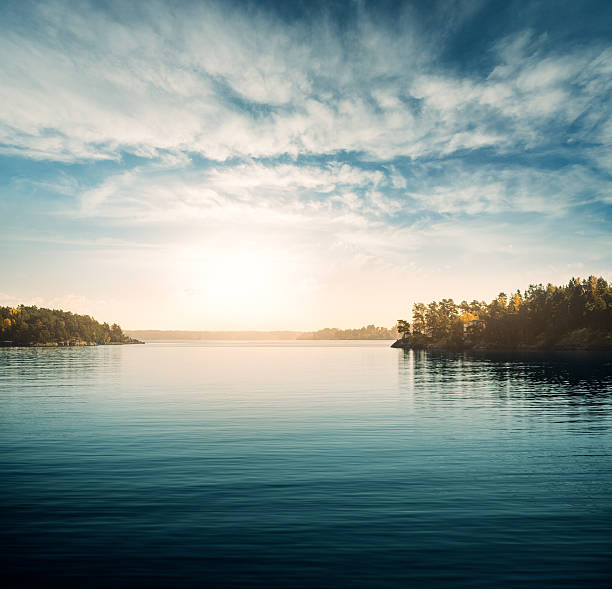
(466,317)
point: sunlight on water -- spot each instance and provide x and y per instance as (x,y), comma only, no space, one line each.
(339,464)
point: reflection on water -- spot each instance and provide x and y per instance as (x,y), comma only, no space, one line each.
(301,464)
(573,373)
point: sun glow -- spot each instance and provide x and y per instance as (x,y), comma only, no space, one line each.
(247,285)
(232,277)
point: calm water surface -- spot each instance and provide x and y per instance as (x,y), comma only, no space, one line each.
(304,464)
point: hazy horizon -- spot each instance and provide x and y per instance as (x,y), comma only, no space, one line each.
(272,166)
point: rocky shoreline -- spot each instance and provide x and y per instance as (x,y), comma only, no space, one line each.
(453,347)
(8,344)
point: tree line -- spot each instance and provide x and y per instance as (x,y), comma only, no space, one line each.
(577,314)
(32,325)
(367,332)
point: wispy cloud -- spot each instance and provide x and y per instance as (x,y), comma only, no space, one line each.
(335,190)
(215,81)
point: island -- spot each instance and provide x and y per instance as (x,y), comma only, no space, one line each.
(35,326)
(368,332)
(576,316)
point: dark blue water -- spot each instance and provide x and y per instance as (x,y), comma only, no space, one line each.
(304,464)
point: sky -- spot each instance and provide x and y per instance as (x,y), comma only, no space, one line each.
(299,165)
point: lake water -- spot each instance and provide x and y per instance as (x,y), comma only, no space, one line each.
(304,464)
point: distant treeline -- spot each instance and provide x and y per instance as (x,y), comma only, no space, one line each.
(574,316)
(37,326)
(367,332)
(160,335)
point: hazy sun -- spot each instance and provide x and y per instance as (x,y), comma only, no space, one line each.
(239,280)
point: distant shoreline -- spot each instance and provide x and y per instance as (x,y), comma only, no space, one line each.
(182,335)
(368,333)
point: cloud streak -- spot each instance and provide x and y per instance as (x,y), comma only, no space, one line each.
(221,83)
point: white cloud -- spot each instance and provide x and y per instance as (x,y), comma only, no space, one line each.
(491,189)
(282,195)
(84,85)
(272,191)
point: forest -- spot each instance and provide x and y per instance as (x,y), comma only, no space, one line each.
(573,316)
(31,326)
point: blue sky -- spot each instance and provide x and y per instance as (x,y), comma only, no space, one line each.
(299,165)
